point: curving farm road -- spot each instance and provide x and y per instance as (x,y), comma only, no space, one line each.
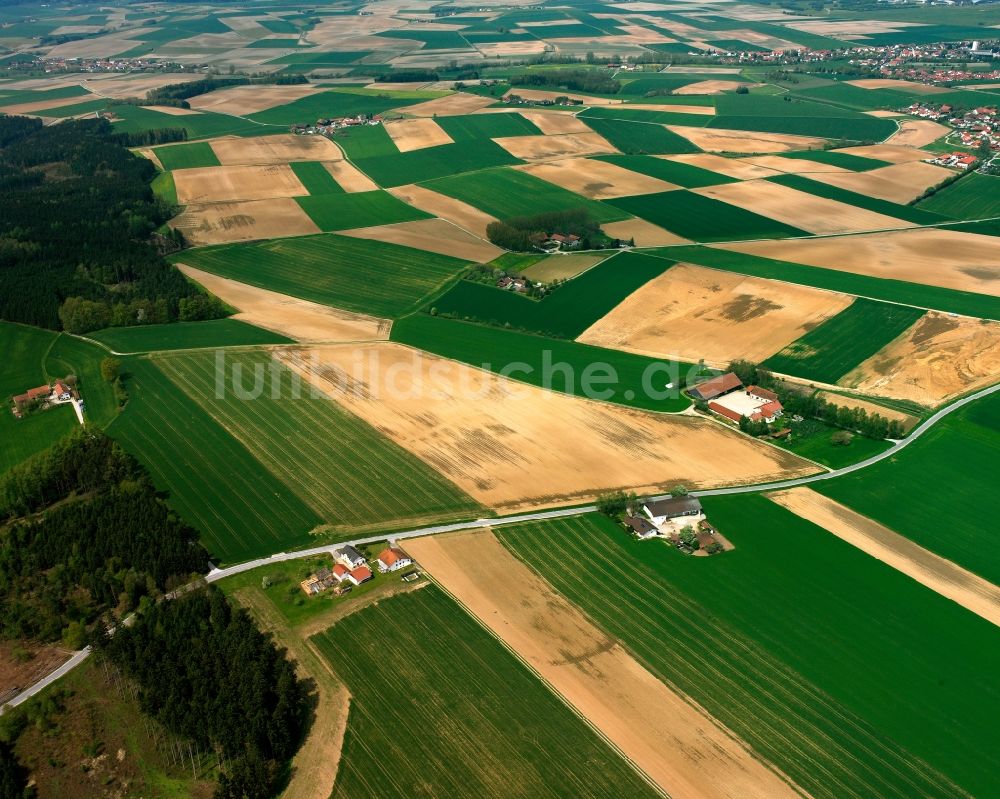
(229,571)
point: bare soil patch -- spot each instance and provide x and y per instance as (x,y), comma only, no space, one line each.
(453,105)
(903,85)
(416,134)
(917,132)
(893,153)
(690,312)
(805,211)
(645,234)
(711,87)
(556,123)
(282,148)
(739,168)
(350,178)
(433,235)
(462,214)
(597,179)
(537,148)
(792,166)
(22,664)
(224,223)
(233,183)
(298,319)
(946,578)
(243,100)
(742,141)
(682,749)
(907,420)
(898,183)
(963,261)
(939,358)
(511,445)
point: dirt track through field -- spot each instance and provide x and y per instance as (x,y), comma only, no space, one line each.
(416,134)
(946,578)
(597,180)
(433,235)
(233,183)
(898,183)
(673,741)
(741,141)
(538,148)
(690,312)
(934,257)
(512,446)
(466,216)
(298,319)
(281,148)
(224,223)
(937,359)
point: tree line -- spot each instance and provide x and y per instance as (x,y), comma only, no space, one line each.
(591,81)
(76,218)
(526,233)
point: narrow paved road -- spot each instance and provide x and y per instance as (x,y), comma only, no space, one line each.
(220,574)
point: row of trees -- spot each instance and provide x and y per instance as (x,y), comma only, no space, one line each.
(526,233)
(76,217)
(578,80)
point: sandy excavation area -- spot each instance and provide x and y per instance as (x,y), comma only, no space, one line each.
(433,235)
(946,258)
(937,359)
(282,148)
(538,148)
(893,153)
(416,134)
(946,578)
(298,319)
(556,123)
(451,106)
(224,223)
(466,216)
(232,183)
(739,168)
(805,211)
(243,100)
(598,180)
(717,140)
(690,312)
(898,183)
(917,132)
(511,446)
(674,742)
(645,234)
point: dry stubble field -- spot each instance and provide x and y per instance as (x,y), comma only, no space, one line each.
(228,222)
(432,235)
(741,141)
(597,180)
(236,183)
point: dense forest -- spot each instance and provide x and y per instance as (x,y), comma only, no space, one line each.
(577,80)
(83,532)
(76,218)
(205,672)
(13,778)
(526,233)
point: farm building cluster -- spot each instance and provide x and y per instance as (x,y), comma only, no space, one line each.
(727,396)
(47,396)
(351,569)
(681,521)
(328,127)
(973,127)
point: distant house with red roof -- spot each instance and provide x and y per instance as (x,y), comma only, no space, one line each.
(32,395)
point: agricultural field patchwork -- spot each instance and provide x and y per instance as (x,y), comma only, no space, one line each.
(185,335)
(187,156)
(340,211)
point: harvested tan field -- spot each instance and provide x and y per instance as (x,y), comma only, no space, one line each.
(281,148)
(541,94)
(42,105)
(138,85)
(682,749)
(690,312)
(739,168)
(597,179)
(711,87)
(917,132)
(907,420)
(147,152)
(433,235)
(231,183)
(805,211)
(350,178)
(937,359)
(742,141)
(466,216)
(561,267)
(510,49)
(883,114)
(536,148)
(898,183)
(645,234)
(556,123)
(893,153)
(251,220)
(453,105)
(902,85)
(298,319)
(416,134)
(792,166)
(963,261)
(703,110)
(511,445)
(173,111)
(946,578)
(243,100)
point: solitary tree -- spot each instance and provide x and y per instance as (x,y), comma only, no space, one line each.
(111,369)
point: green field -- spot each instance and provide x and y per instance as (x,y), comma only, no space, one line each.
(74,356)
(440,708)
(198,126)
(89,107)
(25,349)
(640,138)
(316,178)
(703,218)
(358,209)
(398,169)
(681,174)
(974,196)
(960,302)
(346,103)
(849,676)
(187,156)
(359,275)
(487,126)
(954,460)
(164,188)
(567,311)
(505,193)
(855,163)
(852,128)
(820,189)
(623,115)
(828,352)
(185,335)
(811,439)
(524,357)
